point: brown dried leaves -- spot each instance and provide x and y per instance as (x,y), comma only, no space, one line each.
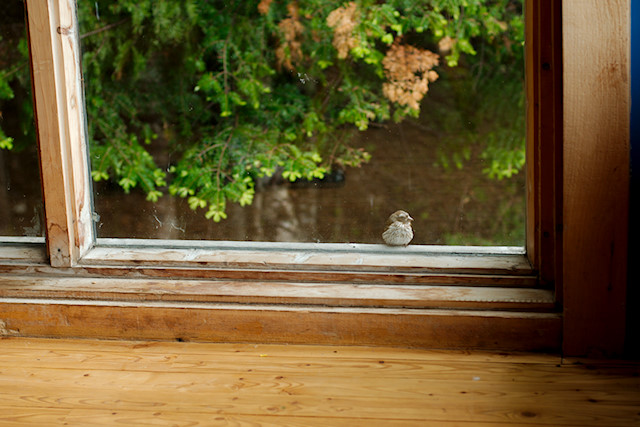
(290,51)
(446,44)
(343,20)
(409,71)
(264,6)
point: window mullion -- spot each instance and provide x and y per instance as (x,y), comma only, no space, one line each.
(60,121)
(544,138)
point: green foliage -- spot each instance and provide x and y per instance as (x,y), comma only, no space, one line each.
(15,89)
(5,141)
(5,90)
(480,105)
(239,90)
(483,117)
(5,93)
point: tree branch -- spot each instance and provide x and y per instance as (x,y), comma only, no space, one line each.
(105,28)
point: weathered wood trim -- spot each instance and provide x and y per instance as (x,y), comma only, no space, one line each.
(273,324)
(310,256)
(23,250)
(260,292)
(596,174)
(59,113)
(20,267)
(216,245)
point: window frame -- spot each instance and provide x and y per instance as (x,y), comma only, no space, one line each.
(363,294)
(67,182)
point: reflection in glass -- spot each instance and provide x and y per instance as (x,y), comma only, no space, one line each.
(20,194)
(306,120)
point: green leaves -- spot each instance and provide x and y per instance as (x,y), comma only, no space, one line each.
(216,210)
(5,142)
(226,165)
(504,154)
(5,90)
(197,87)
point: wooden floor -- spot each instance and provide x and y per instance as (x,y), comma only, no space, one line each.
(80,382)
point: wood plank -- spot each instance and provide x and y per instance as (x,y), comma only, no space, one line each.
(331,294)
(352,257)
(59,118)
(532,62)
(270,365)
(357,398)
(306,382)
(422,328)
(225,245)
(44,60)
(254,350)
(14,252)
(27,241)
(74,135)
(543,53)
(96,417)
(18,264)
(70,381)
(596,174)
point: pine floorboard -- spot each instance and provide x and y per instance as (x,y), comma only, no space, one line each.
(48,382)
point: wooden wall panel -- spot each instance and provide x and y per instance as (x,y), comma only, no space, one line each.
(596,46)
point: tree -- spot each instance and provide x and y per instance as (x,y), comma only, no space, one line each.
(239,90)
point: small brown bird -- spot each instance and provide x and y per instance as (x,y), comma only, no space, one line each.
(398,231)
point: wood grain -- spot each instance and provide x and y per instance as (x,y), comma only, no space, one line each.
(14,251)
(594,217)
(67,32)
(287,256)
(44,59)
(543,68)
(59,115)
(251,350)
(217,322)
(257,292)
(596,174)
(20,258)
(80,382)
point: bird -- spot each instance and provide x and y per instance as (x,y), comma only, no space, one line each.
(398,231)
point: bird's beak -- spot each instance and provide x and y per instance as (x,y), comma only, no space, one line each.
(410,219)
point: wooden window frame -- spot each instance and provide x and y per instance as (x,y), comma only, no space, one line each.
(422,296)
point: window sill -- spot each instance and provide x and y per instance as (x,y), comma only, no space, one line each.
(192,295)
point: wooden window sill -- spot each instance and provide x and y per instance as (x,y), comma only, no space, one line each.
(454,298)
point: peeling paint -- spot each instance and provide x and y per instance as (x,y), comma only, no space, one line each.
(4,331)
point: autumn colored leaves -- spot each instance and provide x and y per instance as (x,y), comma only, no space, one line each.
(408,69)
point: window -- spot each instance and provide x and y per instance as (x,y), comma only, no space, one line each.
(22,213)
(343,294)
(226,114)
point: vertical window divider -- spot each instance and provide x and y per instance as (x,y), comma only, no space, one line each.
(544,140)
(56,75)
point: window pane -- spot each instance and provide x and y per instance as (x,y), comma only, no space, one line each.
(306,121)
(21,211)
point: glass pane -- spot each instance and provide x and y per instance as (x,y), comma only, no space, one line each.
(306,120)
(21,211)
